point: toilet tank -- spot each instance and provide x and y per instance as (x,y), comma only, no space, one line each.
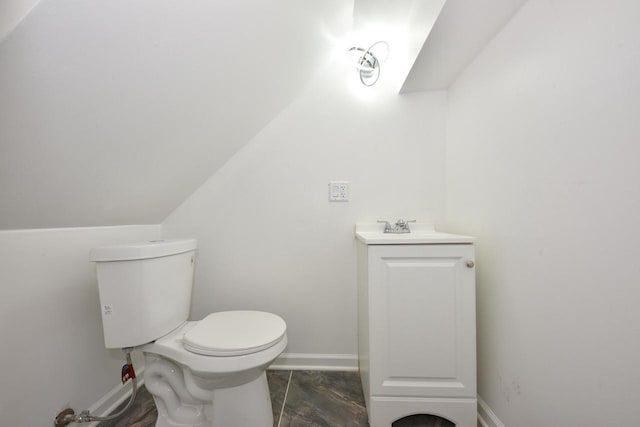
(145,289)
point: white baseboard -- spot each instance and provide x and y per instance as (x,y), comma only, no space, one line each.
(286,361)
(486,417)
(290,361)
(316,362)
(110,401)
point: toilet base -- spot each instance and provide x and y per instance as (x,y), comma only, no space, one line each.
(185,404)
(244,405)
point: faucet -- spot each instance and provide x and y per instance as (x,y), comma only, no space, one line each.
(387,226)
(400,227)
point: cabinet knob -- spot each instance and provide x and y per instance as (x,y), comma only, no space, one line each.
(470,263)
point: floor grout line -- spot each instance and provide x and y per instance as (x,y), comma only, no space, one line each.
(284,401)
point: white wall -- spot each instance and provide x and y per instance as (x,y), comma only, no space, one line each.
(542,165)
(268,237)
(52,344)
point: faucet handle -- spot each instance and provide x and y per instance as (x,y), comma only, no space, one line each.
(403,226)
(387,226)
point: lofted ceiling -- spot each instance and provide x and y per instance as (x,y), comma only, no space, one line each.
(463,29)
(12,12)
(113,112)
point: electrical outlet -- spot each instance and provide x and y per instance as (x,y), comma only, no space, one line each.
(338,191)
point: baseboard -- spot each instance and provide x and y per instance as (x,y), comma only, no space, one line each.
(290,361)
(316,362)
(110,401)
(486,417)
(286,361)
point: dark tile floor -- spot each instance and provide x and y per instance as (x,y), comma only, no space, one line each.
(299,399)
(324,399)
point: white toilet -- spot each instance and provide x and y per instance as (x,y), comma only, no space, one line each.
(204,373)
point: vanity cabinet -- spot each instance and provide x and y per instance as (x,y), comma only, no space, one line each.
(416,327)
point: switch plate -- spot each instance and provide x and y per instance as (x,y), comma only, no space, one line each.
(338,191)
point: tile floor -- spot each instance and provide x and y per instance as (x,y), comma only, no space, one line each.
(299,399)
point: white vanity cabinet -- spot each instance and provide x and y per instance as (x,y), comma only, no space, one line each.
(416,326)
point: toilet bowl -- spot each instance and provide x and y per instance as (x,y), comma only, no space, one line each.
(212,372)
(202,373)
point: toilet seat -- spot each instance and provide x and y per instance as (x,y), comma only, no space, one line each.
(234,333)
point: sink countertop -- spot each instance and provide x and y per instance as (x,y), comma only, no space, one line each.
(421,233)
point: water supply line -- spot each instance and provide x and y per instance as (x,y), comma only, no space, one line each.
(68,416)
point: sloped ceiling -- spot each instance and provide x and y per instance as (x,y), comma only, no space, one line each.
(12,12)
(463,29)
(113,112)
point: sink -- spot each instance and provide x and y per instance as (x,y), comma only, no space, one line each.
(421,233)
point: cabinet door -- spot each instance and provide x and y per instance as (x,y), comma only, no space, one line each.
(422,320)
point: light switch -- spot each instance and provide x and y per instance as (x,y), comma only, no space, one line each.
(338,191)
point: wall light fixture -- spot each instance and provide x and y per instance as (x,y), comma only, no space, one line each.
(369,61)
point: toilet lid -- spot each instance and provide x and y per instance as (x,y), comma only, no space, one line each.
(233,333)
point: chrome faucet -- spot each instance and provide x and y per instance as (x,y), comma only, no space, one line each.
(387,226)
(401,226)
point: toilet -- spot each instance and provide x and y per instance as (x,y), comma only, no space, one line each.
(205,373)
